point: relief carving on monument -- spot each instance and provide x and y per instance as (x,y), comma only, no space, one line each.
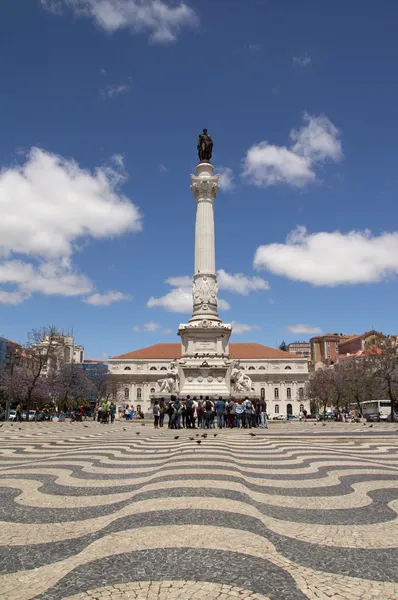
(241,382)
(204,292)
(170,384)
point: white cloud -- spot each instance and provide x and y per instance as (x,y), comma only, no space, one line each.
(46,278)
(163,169)
(226,178)
(151,326)
(302,328)
(332,258)
(115,90)
(13,298)
(223,304)
(275,90)
(239,283)
(49,202)
(177,300)
(238,328)
(184,281)
(317,141)
(48,206)
(106,299)
(156,17)
(302,61)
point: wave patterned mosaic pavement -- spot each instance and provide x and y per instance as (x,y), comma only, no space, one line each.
(124,511)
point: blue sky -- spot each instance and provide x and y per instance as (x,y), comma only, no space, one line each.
(101,106)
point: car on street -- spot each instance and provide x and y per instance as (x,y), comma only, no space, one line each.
(279,418)
(32,414)
(12,415)
(327,416)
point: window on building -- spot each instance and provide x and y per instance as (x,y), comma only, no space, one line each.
(289,392)
(126,393)
(114,394)
(153,369)
(127,368)
(262,393)
(262,368)
(288,368)
(276,393)
(276,409)
(153,390)
(139,393)
(301,407)
(163,368)
(301,392)
(251,368)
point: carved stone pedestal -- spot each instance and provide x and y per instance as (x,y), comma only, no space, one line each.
(205,366)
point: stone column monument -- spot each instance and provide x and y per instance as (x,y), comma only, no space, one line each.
(205,365)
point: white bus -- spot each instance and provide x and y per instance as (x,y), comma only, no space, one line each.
(378,410)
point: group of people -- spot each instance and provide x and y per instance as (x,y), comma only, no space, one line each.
(207,413)
(129,412)
(106,412)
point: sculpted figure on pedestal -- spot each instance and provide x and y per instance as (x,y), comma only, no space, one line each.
(241,381)
(205,147)
(170,384)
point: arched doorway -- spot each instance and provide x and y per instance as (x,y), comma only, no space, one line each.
(289,410)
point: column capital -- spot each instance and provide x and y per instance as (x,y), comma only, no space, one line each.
(204,188)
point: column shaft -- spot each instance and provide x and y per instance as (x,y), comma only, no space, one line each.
(204,238)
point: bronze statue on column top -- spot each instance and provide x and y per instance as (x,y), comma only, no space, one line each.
(205,147)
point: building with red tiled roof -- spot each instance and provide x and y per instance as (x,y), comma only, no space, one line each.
(358,343)
(237,350)
(325,348)
(277,376)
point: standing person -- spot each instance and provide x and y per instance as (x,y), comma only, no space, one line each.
(194,412)
(163,410)
(177,408)
(170,412)
(156,414)
(104,411)
(99,411)
(263,414)
(200,412)
(37,414)
(255,418)
(239,414)
(208,410)
(127,412)
(247,412)
(184,414)
(18,413)
(112,411)
(189,412)
(220,408)
(231,413)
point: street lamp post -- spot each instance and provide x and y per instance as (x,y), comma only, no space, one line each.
(13,361)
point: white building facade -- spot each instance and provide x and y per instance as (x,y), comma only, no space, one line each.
(277,376)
